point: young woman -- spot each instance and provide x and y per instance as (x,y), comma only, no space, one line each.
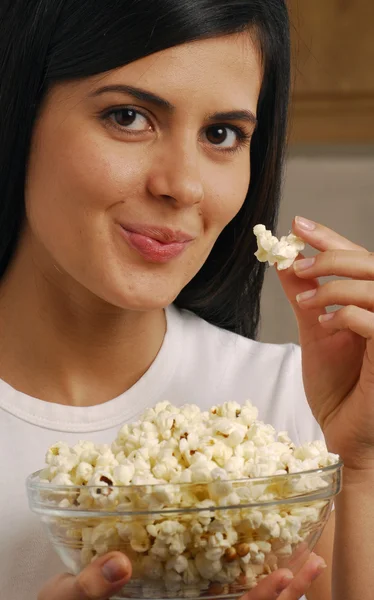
(140,143)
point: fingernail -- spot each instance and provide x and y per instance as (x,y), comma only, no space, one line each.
(321,566)
(305,223)
(306,295)
(303,264)
(114,570)
(326,317)
(284,583)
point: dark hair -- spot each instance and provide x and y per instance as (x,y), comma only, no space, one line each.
(43,42)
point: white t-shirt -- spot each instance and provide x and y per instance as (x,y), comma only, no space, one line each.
(198,363)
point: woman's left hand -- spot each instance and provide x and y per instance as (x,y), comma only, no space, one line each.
(337,353)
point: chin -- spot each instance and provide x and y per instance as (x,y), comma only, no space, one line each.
(139,289)
(139,300)
(145,304)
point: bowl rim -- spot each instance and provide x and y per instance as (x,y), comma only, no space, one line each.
(45,507)
(33,485)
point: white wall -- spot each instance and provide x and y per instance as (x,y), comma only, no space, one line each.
(335,188)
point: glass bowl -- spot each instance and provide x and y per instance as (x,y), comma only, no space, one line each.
(189,540)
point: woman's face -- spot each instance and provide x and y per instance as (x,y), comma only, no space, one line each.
(134,174)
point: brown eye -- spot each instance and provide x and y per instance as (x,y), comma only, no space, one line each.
(222,136)
(216,135)
(129,118)
(125,117)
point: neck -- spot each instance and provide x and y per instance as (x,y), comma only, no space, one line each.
(61,344)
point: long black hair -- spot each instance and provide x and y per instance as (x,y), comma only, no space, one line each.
(43,42)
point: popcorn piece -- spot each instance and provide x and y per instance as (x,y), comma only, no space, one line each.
(228,573)
(136,534)
(62,479)
(124,472)
(271,250)
(191,575)
(152,567)
(104,538)
(83,473)
(179,564)
(208,569)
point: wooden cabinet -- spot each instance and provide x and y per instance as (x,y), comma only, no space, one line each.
(333,71)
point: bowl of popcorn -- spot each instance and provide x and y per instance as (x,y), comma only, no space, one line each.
(204,504)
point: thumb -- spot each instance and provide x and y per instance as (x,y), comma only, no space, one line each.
(307,319)
(98,581)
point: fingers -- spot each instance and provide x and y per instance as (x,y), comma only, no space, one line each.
(271,587)
(340,292)
(299,557)
(320,237)
(339,257)
(358,265)
(342,263)
(357,299)
(301,583)
(98,581)
(355,319)
(282,585)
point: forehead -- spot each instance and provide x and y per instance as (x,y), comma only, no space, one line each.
(224,68)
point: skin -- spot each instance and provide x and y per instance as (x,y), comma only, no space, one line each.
(89,300)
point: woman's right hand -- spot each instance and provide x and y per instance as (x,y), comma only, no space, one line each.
(108,574)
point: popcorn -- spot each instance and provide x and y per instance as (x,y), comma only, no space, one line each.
(207,568)
(224,537)
(83,472)
(178,563)
(62,479)
(191,574)
(124,472)
(271,250)
(153,567)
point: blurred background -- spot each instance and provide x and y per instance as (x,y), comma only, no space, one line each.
(330,166)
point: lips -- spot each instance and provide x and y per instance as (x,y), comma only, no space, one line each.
(160,234)
(156,244)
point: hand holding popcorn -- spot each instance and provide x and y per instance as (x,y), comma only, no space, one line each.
(337,347)
(104,577)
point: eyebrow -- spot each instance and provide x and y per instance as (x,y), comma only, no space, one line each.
(145,96)
(234,115)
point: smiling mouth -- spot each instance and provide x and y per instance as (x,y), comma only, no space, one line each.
(157,245)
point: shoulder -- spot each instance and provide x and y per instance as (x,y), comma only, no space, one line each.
(225,366)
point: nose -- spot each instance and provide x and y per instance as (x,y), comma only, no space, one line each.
(175,176)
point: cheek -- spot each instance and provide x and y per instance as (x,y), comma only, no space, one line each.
(229,193)
(71,185)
